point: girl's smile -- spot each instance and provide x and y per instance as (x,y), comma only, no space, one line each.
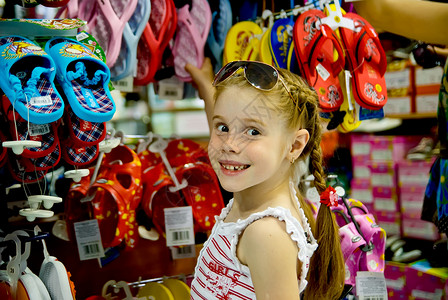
(244,150)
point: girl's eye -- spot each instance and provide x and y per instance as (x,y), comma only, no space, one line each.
(222,128)
(253,132)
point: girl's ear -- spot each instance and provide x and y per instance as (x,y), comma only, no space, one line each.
(301,138)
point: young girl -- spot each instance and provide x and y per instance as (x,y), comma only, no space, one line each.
(264,122)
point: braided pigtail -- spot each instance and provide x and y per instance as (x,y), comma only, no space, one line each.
(326,276)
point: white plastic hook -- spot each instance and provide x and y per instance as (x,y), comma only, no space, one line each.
(32,214)
(13,187)
(107,145)
(159,146)
(116,286)
(18,146)
(77,174)
(13,266)
(335,18)
(48,201)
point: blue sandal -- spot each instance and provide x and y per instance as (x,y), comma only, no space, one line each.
(27,78)
(84,79)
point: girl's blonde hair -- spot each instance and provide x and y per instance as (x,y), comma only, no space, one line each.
(327,268)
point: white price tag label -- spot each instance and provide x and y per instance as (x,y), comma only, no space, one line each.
(171,89)
(179,226)
(323,73)
(371,286)
(41,101)
(180,252)
(88,238)
(125,85)
(39,129)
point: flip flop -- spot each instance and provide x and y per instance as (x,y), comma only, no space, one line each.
(265,51)
(106,22)
(55,277)
(31,287)
(27,78)
(69,11)
(83,133)
(54,3)
(157,195)
(221,23)
(18,172)
(202,192)
(84,79)
(238,39)
(179,289)
(116,194)
(315,45)
(280,41)
(193,26)
(157,34)
(367,63)
(155,290)
(78,156)
(22,130)
(350,119)
(126,63)
(75,209)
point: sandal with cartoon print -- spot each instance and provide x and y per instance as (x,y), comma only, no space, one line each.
(115,195)
(316,45)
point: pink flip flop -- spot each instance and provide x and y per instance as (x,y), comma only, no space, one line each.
(157,34)
(126,63)
(193,28)
(106,23)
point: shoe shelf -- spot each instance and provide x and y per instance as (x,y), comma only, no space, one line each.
(414,116)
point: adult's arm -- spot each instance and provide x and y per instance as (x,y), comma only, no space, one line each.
(202,81)
(415,19)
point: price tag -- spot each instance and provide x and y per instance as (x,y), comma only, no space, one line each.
(41,100)
(371,286)
(171,89)
(125,85)
(179,226)
(323,73)
(88,238)
(183,252)
(39,129)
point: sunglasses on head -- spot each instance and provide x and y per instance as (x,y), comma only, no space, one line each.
(260,75)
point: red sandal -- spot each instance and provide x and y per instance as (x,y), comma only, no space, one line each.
(116,195)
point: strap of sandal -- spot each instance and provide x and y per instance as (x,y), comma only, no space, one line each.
(81,73)
(17,86)
(31,88)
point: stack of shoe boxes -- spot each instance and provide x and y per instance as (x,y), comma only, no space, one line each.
(415,281)
(427,86)
(411,89)
(375,183)
(412,179)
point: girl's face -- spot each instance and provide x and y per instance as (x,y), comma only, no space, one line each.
(249,142)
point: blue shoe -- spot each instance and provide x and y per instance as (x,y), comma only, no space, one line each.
(84,78)
(27,79)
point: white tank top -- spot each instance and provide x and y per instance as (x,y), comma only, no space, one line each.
(218,272)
